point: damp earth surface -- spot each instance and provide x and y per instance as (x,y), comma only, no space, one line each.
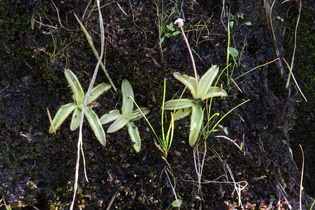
(39,39)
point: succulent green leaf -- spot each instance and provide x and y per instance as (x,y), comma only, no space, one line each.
(188,81)
(75,86)
(76,116)
(136,114)
(206,81)
(196,122)
(178,104)
(128,97)
(109,117)
(96,125)
(177,203)
(215,92)
(134,135)
(233,52)
(62,114)
(181,113)
(118,124)
(97,91)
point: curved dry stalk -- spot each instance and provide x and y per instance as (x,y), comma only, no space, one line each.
(79,145)
(180,23)
(295,41)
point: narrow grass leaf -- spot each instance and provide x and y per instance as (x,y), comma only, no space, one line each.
(96,125)
(196,122)
(75,121)
(128,96)
(97,91)
(90,41)
(167,142)
(178,104)
(75,86)
(188,81)
(118,124)
(110,117)
(206,81)
(135,136)
(62,114)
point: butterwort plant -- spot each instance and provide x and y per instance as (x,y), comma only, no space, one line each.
(200,89)
(127,116)
(76,108)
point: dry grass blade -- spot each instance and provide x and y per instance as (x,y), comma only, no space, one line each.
(50,120)
(121,9)
(301,180)
(293,77)
(199,163)
(112,201)
(295,41)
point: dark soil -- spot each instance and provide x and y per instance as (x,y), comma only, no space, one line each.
(37,168)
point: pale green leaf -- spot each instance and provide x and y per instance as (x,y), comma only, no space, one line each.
(175,33)
(118,124)
(96,125)
(188,81)
(137,114)
(134,135)
(170,27)
(128,97)
(109,117)
(62,114)
(177,203)
(196,123)
(233,52)
(181,113)
(178,104)
(97,91)
(75,86)
(215,92)
(75,121)
(206,81)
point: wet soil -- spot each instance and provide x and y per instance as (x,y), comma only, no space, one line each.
(38,42)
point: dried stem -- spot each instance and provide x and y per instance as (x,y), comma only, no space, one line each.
(80,148)
(180,23)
